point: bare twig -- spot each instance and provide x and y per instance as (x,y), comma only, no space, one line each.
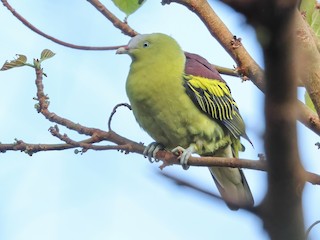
(310,228)
(38,31)
(181,182)
(97,135)
(30,148)
(115,110)
(227,71)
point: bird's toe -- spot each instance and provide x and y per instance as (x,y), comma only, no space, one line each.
(151,150)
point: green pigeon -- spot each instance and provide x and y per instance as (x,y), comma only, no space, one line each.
(182,102)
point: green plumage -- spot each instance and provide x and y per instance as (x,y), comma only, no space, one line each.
(177,108)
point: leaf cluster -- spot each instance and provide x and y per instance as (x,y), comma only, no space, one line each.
(21,61)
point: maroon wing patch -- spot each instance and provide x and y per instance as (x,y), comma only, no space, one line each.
(199,66)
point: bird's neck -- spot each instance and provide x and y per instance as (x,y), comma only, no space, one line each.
(159,68)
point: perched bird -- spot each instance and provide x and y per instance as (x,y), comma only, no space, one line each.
(182,102)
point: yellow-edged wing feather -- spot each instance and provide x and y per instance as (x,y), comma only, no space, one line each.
(210,94)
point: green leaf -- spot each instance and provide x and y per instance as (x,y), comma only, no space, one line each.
(20,61)
(308,101)
(315,22)
(128,6)
(308,6)
(312,12)
(46,54)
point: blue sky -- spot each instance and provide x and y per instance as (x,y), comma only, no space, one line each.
(109,195)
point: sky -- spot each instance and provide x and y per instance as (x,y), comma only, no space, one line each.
(109,195)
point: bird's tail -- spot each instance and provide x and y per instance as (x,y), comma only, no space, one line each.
(232,183)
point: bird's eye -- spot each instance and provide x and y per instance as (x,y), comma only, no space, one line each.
(146,44)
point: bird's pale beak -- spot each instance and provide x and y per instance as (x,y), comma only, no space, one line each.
(122,50)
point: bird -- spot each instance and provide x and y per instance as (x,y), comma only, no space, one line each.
(183,103)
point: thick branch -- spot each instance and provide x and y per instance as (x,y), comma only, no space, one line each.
(281,209)
(309,59)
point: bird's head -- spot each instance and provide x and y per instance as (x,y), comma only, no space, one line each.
(150,46)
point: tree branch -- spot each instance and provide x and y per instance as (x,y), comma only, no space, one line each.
(183,183)
(166,157)
(122,143)
(309,59)
(228,71)
(114,111)
(310,228)
(30,148)
(123,26)
(38,31)
(88,144)
(281,210)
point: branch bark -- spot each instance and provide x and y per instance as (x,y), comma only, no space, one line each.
(281,209)
(285,170)
(309,59)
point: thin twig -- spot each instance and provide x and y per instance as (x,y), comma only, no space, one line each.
(96,134)
(41,33)
(30,148)
(182,183)
(310,228)
(227,71)
(88,145)
(115,110)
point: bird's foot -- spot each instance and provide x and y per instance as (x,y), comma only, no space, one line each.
(184,155)
(151,150)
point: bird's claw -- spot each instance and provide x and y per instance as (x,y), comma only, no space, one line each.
(151,150)
(184,155)
(178,151)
